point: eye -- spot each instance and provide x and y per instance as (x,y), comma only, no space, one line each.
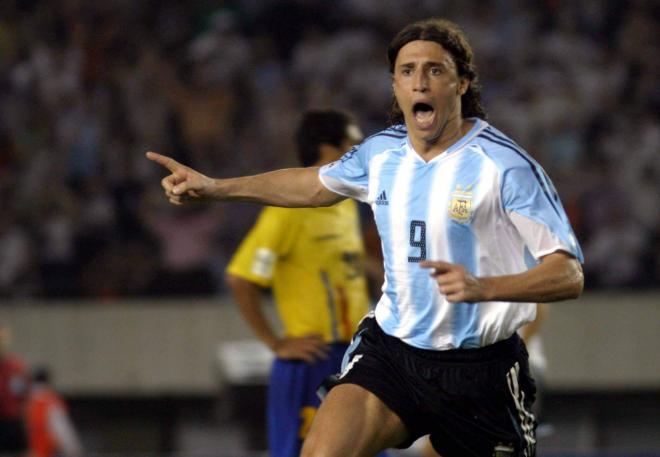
(406,71)
(435,71)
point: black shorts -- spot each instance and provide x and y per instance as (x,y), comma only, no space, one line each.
(473,402)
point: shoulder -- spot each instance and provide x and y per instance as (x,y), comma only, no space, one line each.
(359,156)
(391,135)
(505,153)
(390,138)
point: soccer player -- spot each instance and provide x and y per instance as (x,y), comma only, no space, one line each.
(313,261)
(473,235)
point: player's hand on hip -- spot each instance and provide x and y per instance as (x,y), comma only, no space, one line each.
(455,282)
(183,184)
(307,348)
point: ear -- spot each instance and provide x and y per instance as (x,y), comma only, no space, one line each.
(463,86)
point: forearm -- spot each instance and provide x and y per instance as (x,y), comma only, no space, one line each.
(248,297)
(557,277)
(290,187)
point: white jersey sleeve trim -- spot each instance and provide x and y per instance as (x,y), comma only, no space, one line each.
(538,238)
(339,187)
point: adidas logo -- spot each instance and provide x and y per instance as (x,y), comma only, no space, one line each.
(382,199)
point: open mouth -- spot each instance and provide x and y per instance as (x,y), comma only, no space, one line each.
(423,113)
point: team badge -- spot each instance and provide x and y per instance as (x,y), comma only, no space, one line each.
(460,207)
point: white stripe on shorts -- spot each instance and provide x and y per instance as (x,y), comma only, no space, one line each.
(526,417)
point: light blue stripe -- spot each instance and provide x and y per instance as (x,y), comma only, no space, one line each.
(530,261)
(422,287)
(462,250)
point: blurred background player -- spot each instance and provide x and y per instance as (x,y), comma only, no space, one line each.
(313,260)
(49,428)
(14,381)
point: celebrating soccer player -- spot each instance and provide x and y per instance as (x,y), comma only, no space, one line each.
(473,235)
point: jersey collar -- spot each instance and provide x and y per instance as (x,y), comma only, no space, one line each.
(478,126)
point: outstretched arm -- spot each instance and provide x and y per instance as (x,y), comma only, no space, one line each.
(290,187)
(558,277)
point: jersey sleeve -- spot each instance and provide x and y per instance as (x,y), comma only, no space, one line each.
(349,175)
(271,238)
(534,208)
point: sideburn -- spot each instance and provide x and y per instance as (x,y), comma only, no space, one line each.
(395,115)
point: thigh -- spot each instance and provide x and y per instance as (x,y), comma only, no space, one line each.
(486,412)
(353,422)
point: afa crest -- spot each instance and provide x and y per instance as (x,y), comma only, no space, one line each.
(460,207)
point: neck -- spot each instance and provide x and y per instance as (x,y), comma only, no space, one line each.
(450,132)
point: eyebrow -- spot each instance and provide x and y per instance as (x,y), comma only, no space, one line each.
(429,63)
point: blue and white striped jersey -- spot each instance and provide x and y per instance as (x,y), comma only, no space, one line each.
(484,203)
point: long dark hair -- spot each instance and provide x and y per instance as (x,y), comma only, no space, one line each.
(451,38)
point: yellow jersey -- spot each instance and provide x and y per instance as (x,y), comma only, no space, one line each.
(313,259)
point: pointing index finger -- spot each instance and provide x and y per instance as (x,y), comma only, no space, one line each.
(439,266)
(165,161)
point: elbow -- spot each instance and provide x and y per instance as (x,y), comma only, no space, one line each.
(240,286)
(566,280)
(232,281)
(322,197)
(576,281)
(575,291)
(316,199)
(579,287)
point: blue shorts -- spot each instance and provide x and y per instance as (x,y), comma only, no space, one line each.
(292,399)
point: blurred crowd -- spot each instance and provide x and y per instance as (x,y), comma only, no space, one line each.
(87,87)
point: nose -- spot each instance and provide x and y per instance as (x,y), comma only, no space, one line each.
(420,82)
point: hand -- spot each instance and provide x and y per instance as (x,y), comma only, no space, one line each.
(456,283)
(307,348)
(184,184)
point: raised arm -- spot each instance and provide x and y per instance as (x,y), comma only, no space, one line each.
(290,187)
(558,277)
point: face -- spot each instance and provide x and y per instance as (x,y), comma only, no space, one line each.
(427,88)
